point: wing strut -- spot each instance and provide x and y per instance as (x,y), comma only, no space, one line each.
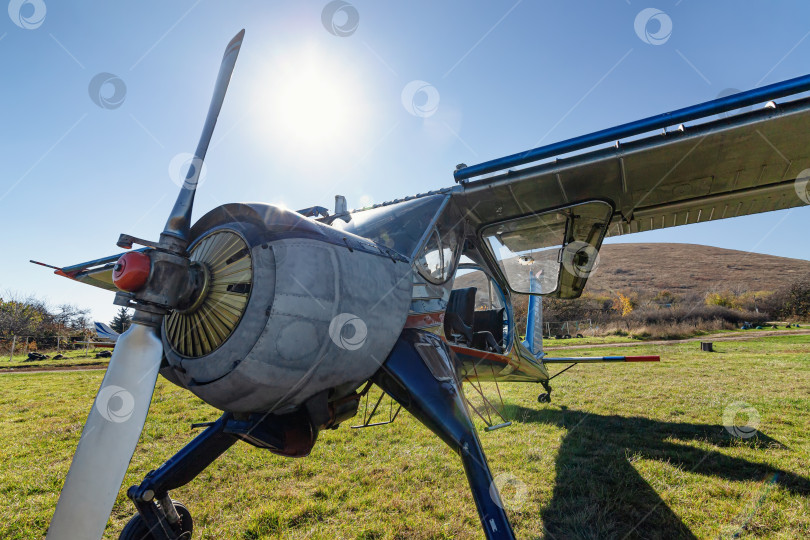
(421,375)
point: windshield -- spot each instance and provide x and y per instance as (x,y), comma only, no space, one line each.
(398,226)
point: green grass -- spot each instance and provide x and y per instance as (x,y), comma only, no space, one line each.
(596,340)
(588,340)
(624,450)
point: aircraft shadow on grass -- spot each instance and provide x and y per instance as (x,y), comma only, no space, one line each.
(599,494)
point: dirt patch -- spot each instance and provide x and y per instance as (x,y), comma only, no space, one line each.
(86,366)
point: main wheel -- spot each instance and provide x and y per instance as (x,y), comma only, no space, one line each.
(544,398)
(136,528)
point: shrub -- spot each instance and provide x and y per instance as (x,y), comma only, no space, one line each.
(696,316)
(724,299)
(624,304)
(792,302)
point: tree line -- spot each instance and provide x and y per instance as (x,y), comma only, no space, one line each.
(31,321)
(32,317)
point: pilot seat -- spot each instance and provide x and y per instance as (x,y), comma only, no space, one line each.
(463,325)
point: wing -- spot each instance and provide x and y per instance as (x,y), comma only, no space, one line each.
(722,168)
(737,166)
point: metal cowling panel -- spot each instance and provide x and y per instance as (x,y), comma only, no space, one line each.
(321,290)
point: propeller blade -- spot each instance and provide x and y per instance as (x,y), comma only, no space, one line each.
(109,437)
(180,219)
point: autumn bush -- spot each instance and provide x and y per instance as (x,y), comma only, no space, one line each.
(791,303)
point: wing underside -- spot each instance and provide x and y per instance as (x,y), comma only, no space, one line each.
(745,164)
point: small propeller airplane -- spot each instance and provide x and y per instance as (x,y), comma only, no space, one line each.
(105,334)
(103,331)
(283,319)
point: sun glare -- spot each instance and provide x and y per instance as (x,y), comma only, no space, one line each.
(313,102)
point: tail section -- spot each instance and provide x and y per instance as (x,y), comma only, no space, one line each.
(105,332)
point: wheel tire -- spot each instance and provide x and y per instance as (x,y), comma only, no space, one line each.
(567,336)
(136,528)
(544,398)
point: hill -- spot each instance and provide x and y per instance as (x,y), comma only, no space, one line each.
(686,270)
(690,270)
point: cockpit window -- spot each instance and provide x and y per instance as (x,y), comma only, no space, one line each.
(532,250)
(429,262)
(398,226)
(436,260)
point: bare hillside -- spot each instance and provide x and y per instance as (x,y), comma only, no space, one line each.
(690,268)
(687,270)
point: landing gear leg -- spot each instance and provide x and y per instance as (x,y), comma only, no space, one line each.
(159,517)
(546,396)
(419,373)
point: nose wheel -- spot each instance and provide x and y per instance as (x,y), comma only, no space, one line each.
(137,529)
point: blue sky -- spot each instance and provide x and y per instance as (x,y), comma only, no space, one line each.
(311,114)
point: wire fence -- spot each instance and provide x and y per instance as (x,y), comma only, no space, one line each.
(568,329)
(17,346)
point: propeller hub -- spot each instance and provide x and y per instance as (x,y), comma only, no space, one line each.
(132,271)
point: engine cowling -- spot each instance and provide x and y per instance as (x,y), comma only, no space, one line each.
(288,307)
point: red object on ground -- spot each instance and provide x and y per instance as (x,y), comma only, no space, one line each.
(642,358)
(131,271)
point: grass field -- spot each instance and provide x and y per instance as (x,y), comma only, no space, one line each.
(703,334)
(624,451)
